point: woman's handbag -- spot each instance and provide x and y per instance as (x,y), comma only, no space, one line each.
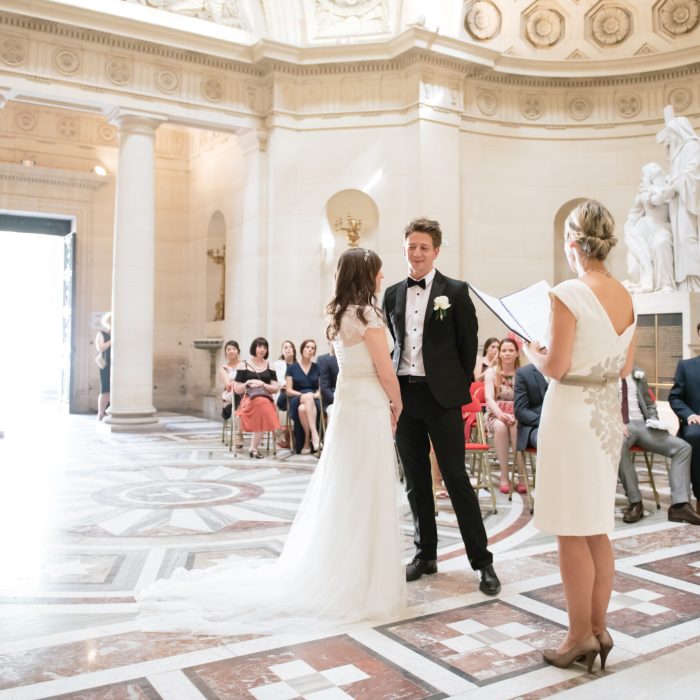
(252,392)
(100,360)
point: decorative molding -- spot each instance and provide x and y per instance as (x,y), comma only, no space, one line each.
(25,121)
(544,27)
(51,176)
(628,104)
(167,80)
(610,25)
(13,51)
(66,61)
(226,12)
(212,89)
(680,99)
(336,18)
(677,17)
(579,107)
(577,55)
(483,20)
(487,102)
(119,70)
(645,50)
(531,106)
(67,127)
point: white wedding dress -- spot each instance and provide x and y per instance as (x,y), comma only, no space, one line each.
(342,558)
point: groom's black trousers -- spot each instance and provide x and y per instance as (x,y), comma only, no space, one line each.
(423,420)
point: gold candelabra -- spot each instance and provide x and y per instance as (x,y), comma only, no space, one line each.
(352,230)
(219,258)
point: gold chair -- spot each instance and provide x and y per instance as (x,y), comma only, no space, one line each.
(478,450)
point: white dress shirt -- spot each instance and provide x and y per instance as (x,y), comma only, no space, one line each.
(416,308)
(635,413)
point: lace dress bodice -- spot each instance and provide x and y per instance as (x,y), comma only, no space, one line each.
(353,357)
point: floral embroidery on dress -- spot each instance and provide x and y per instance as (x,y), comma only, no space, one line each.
(603,400)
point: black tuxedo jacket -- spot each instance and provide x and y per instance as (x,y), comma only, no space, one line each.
(449,345)
(530,388)
(684,397)
(328,368)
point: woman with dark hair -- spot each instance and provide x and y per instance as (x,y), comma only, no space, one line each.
(257,382)
(303,393)
(227,375)
(487,359)
(341,561)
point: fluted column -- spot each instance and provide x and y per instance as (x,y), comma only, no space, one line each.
(131,396)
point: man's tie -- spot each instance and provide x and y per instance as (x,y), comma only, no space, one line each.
(625,402)
(412,282)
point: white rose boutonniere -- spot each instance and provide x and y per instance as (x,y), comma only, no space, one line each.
(638,374)
(441,305)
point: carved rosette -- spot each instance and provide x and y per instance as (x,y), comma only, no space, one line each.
(118,71)
(67,127)
(676,17)
(12,51)
(167,80)
(487,102)
(25,121)
(680,99)
(531,106)
(212,89)
(610,25)
(483,20)
(544,27)
(107,133)
(580,107)
(628,104)
(66,61)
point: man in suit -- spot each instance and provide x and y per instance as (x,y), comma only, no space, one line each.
(684,399)
(433,323)
(530,388)
(637,408)
(328,370)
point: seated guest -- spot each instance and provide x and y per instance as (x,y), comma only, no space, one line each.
(303,392)
(487,359)
(684,399)
(530,388)
(643,429)
(287,357)
(257,382)
(227,375)
(500,416)
(328,370)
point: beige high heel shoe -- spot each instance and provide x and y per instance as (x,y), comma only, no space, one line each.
(588,649)
(606,644)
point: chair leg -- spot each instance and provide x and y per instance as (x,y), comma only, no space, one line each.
(649,459)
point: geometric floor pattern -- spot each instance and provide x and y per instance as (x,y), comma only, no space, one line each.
(89,518)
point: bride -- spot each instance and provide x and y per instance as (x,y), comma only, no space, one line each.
(341,560)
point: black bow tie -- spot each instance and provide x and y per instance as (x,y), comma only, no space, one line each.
(412,282)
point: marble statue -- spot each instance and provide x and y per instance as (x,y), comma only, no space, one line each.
(648,235)
(683,194)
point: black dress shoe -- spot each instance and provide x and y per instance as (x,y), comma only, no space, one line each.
(417,567)
(683,513)
(488,581)
(634,513)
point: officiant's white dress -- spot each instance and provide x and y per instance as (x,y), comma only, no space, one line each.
(342,558)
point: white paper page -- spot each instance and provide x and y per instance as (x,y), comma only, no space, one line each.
(525,312)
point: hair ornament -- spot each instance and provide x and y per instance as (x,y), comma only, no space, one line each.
(366,256)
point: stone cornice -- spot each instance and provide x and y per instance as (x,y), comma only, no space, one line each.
(51,176)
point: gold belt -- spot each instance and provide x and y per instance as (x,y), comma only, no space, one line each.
(590,379)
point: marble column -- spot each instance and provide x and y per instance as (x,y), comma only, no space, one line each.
(131,396)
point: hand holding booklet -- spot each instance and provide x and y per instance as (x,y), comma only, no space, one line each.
(525,312)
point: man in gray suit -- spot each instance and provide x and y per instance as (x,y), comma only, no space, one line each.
(643,428)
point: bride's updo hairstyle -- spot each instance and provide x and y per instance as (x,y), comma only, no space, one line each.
(355,283)
(592,227)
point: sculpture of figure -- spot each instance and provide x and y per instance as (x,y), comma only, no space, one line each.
(224,12)
(648,235)
(683,194)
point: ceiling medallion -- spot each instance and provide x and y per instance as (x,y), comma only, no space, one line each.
(487,102)
(610,25)
(680,98)
(544,27)
(483,20)
(628,105)
(678,17)
(66,61)
(532,106)
(580,108)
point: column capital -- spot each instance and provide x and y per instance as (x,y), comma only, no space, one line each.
(253,140)
(135,120)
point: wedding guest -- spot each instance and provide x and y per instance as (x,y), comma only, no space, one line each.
(499,385)
(590,346)
(328,377)
(288,356)
(684,399)
(303,391)
(227,375)
(487,359)
(103,343)
(257,381)
(530,388)
(643,428)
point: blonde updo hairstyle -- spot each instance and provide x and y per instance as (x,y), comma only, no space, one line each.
(591,226)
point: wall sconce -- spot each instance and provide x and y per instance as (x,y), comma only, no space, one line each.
(352,230)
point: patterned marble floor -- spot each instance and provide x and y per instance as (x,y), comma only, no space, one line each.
(88,518)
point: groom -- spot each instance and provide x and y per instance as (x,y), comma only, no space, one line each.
(434,326)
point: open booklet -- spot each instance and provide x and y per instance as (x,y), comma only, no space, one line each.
(525,312)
